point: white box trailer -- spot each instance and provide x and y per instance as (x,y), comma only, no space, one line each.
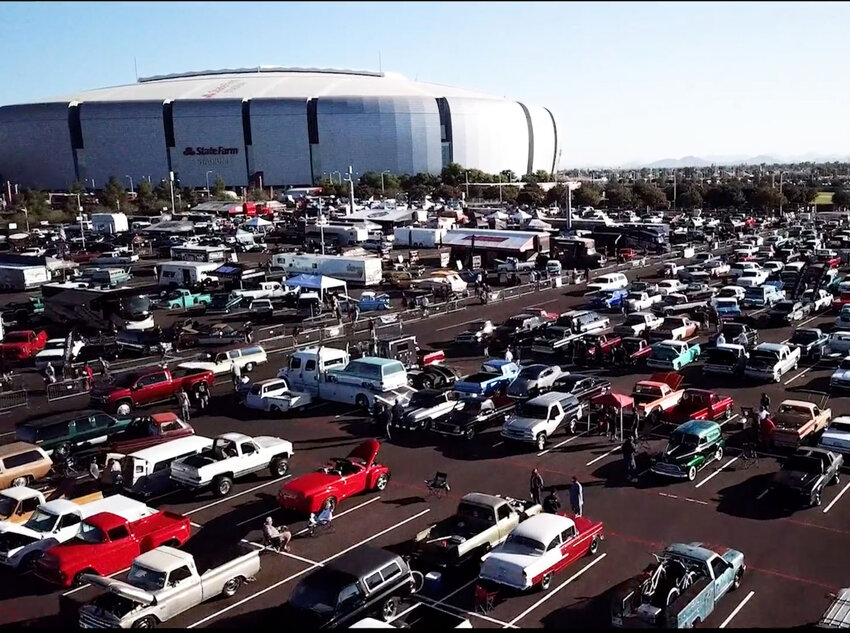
(412,237)
(110,223)
(346,235)
(187,274)
(364,271)
(23,276)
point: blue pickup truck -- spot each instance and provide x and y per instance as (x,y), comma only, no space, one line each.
(680,589)
(609,299)
(495,375)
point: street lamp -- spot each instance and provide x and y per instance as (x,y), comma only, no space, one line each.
(781,174)
(338,173)
(386,171)
(131,182)
(27,217)
(82,230)
(207,176)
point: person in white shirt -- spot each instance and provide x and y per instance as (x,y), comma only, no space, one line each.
(509,355)
(721,340)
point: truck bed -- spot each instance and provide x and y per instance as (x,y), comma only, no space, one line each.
(210,552)
(163,521)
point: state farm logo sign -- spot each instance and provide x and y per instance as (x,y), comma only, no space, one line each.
(211,151)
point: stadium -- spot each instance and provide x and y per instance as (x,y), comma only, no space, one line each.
(283,126)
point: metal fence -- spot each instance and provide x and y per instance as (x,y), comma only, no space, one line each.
(13,399)
(68,388)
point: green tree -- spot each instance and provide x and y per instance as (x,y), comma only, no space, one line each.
(114,195)
(618,196)
(690,198)
(543,176)
(448,192)
(218,188)
(255,194)
(557,195)
(145,198)
(426,180)
(588,195)
(417,192)
(510,194)
(531,195)
(189,196)
(453,174)
(649,195)
(507,175)
(77,187)
(841,199)
(764,198)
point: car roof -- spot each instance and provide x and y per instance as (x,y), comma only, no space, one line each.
(691,550)
(543,527)
(235,437)
(163,558)
(551,397)
(771,347)
(363,560)
(19,492)
(697,427)
(67,416)
(13,448)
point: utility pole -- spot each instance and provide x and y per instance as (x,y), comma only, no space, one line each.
(467,186)
(349,178)
(781,174)
(82,230)
(675,180)
(171,183)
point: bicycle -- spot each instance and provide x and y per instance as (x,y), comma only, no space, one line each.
(749,455)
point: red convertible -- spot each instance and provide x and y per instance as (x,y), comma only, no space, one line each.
(147,431)
(538,548)
(338,480)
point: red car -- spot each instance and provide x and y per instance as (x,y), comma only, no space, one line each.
(23,344)
(338,480)
(147,431)
(842,299)
(700,404)
(108,543)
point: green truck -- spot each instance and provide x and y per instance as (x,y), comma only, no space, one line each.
(182,299)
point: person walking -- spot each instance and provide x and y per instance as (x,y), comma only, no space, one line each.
(576,497)
(94,470)
(765,401)
(49,374)
(116,477)
(629,451)
(398,413)
(509,355)
(183,401)
(373,330)
(356,311)
(87,370)
(248,329)
(536,485)
(720,340)
(387,415)
(552,504)
(203,394)
(104,368)
(235,376)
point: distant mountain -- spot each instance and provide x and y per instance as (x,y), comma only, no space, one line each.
(720,160)
(675,163)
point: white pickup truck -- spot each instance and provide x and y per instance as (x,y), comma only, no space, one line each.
(165,582)
(770,361)
(233,455)
(537,420)
(274,396)
(56,522)
(642,300)
(638,323)
(267,290)
(246,358)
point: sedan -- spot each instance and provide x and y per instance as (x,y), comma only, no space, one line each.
(533,380)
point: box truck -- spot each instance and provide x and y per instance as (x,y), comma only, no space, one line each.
(23,276)
(364,271)
(407,236)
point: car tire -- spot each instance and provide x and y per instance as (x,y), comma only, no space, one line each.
(427,382)
(572,426)
(279,467)
(361,401)
(540,440)
(389,609)
(147,622)
(594,546)
(17,482)
(124,409)
(736,582)
(546,582)
(692,473)
(78,577)
(381,482)
(249,367)
(222,485)
(718,454)
(231,587)
(816,498)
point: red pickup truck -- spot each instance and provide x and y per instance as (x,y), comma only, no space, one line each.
(147,431)
(700,404)
(108,543)
(22,344)
(133,390)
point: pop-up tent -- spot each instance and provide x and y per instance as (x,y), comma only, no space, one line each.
(318,283)
(257,223)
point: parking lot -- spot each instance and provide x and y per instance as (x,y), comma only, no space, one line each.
(793,559)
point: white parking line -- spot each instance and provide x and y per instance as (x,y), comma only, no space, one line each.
(9,433)
(557,589)
(763,493)
(738,608)
(336,516)
(474,614)
(611,452)
(807,320)
(244,492)
(566,441)
(669,496)
(837,497)
(304,571)
(449,327)
(718,471)
(498,443)
(734,417)
(802,373)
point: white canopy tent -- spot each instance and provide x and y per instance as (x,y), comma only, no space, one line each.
(318,283)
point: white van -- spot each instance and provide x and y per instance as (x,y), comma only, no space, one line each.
(246,358)
(146,472)
(187,274)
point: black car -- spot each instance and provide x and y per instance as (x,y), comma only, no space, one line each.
(811,341)
(732,330)
(366,581)
(144,342)
(805,474)
(583,387)
(518,329)
(432,377)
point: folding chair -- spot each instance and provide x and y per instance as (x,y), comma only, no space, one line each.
(439,485)
(485,599)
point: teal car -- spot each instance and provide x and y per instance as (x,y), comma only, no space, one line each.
(692,446)
(673,355)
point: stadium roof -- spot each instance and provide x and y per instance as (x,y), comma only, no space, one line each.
(267,82)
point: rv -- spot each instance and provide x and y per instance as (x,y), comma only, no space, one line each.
(187,274)
(364,271)
(110,223)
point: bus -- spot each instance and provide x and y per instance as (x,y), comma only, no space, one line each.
(97,309)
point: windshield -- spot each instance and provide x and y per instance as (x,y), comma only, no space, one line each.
(843,427)
(721,356)
(17,337)
(784,306)
(727,303)
(422,400)
(517,544)
(7,507)
(42,521)
(757,291)
(845,364)
(665,352)
(532,371)
(91,534)
(727,292)
(682,439)
(55,345)
(146,579)
(135,306)
(804,336)
(536,411)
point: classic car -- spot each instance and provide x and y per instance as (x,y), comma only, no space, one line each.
(339,479)
(217,334)
(727,308)
(728,358)
(637,349)
(546,316)
(609,299)
(533,380)
(732,330)
(752,278)
(692,446)
(145,431)
(810,341)
(789,311)
(797,421)
(494,376)
(656,395)
(819,299)
(610,281)
(54,353)
(673,355)
(557,339)
(643,286)
(637,301)
(805,474)
(476,333)
(582,386)
(836,436)
(699,291)
(638,323)
(842,321)
(432,376)
(670,286)
(675,328)
(370,300)
(840,379)
(762,296)
(473,414)
(771,361)
(426,406)
(538,548)
(700,404)
(600,347)
(730,292)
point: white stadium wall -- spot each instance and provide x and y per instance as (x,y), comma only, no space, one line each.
(122,139)
(208,136)
(35,145)
(289,126)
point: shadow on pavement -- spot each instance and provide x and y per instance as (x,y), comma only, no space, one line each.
(591,612)
(741,500)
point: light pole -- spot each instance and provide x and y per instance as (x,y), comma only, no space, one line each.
(386,171)
(500,188)
(781,174)
(82,230)
(320,221)
(131,182)
(467,186)
(338,173)
(207,176)
(349,178)
(171,183)
(27,218)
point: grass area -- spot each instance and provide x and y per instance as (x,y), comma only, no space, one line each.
(823,197)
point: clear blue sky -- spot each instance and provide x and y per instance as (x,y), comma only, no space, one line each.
(628,81)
